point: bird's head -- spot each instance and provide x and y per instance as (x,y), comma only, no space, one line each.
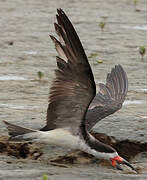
(117,160)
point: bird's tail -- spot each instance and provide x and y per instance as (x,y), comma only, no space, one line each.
(18,133)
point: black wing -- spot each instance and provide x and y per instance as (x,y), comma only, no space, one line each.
(110,97)
(73,88)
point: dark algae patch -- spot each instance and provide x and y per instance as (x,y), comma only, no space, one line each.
(126,149)
(19,150)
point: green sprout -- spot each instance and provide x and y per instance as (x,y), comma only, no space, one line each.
(93,55)
(45,177)
(102,25)
(142,51)
(135,5)
(40,75)
(99,61)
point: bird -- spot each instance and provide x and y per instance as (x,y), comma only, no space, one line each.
(74,106)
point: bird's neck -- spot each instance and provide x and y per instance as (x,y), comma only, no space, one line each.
(93,146)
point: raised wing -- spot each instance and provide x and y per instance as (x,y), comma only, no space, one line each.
(110,97)
(73,88)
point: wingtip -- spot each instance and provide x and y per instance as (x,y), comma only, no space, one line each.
(118,66)
(56,26)
(52,38)
(59,10)
(57,16)
(5,122)
(118,82)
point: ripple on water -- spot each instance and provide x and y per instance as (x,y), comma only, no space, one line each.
(144,90)
(31,52)
(21,107)
(144,28)
(11,77)
(129,102)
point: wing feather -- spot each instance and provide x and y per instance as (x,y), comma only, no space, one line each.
(110,97)
(73,87)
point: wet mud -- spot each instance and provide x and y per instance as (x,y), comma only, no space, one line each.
(128,150)
(25,50)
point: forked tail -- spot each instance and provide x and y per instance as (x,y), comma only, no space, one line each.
(18,133)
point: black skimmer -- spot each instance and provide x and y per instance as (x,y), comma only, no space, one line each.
(74,107)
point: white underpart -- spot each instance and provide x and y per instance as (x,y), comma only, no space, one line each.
(59,137)
(63,137)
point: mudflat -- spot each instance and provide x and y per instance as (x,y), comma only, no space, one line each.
(25,50)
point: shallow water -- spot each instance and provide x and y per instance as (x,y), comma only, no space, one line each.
(143,28)
(12,78)
(20,106)
(31,52)
(129,102)
(27,24)
(144,90)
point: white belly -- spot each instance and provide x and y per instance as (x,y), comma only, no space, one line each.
(59,137)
